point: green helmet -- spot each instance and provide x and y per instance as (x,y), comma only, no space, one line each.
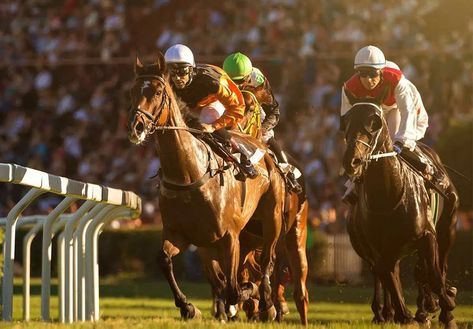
(237,66)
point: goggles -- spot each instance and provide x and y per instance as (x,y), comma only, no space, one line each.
(368,72)
(241,81)
(180,70)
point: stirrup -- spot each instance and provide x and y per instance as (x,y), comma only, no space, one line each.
(293,183)
(250,170)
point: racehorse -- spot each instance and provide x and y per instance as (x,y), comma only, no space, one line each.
(291,251)
(392,216)
(201,202)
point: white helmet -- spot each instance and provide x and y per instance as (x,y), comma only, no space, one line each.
(179,54)
(392,65)
(370,56)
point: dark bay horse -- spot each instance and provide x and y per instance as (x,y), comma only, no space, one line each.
(392,217)
(201,203)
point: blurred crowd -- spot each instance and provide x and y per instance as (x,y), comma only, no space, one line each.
(66,69)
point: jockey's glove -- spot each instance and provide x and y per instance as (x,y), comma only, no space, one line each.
(398,146)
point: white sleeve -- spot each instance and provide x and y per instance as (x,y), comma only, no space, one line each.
(345,106)
(406,105)
(422,116)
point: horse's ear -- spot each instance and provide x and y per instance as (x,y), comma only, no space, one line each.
(138,65)
(351,98)
(161,62)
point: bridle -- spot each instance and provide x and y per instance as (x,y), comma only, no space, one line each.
(369,156)
(158,122)
(153,122)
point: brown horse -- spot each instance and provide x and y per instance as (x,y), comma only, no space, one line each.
(291,251)
(201,203)
(392,217)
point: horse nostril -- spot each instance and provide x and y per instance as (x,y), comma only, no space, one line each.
(356,162)
(139,128)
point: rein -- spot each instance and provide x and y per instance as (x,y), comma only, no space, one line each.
(155,126)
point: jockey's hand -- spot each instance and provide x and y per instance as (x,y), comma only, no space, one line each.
(208,128)
(398,146)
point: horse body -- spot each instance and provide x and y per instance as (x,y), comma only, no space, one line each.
(199,206)
(392,218)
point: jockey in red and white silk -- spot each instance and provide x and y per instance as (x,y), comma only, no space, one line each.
(402,105)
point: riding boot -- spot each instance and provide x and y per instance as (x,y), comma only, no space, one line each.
(282,159)
(430,172)
(293,183)
(245,163)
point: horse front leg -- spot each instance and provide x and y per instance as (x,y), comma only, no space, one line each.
(230,256)
(377,303)
(388,271)
(169,250)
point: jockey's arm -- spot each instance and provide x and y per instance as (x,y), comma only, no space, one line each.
(230,96)
(344,107)
(406,105)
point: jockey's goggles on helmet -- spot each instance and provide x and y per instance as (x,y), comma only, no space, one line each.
(241,81)
(180,69)
(370,72)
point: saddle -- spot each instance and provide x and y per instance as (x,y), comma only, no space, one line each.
(229,154)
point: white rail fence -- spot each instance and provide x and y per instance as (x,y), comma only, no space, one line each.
(78,272)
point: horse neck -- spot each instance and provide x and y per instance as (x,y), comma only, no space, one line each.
(183,157)
(383,182)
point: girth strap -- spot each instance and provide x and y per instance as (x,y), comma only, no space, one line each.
(186,187)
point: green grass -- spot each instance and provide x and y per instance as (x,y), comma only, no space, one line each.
(129,303)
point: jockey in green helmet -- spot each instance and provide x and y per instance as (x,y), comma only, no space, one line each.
(240,69)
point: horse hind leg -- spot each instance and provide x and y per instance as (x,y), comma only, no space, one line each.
(426,301)
(188,311)
(437,279)
(297,257)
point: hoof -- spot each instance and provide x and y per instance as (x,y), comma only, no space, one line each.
(250,307)
(189,311)
(268,315)
(452,292)
(422,318)
(377,319)
(284,308)
(404,319)
(197,314)
(451,325)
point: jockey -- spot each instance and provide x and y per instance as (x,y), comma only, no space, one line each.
(249,78)
(402,105)
(208,90)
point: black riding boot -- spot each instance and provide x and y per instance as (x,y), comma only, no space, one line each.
(245,164)
(282,158)
(429,171)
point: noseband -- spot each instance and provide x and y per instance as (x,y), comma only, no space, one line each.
(152,122)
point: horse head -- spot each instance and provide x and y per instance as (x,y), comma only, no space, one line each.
(366,133)
(150,100)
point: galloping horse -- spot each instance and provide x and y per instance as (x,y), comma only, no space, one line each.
(201,203)
(392,217)
(291,251)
